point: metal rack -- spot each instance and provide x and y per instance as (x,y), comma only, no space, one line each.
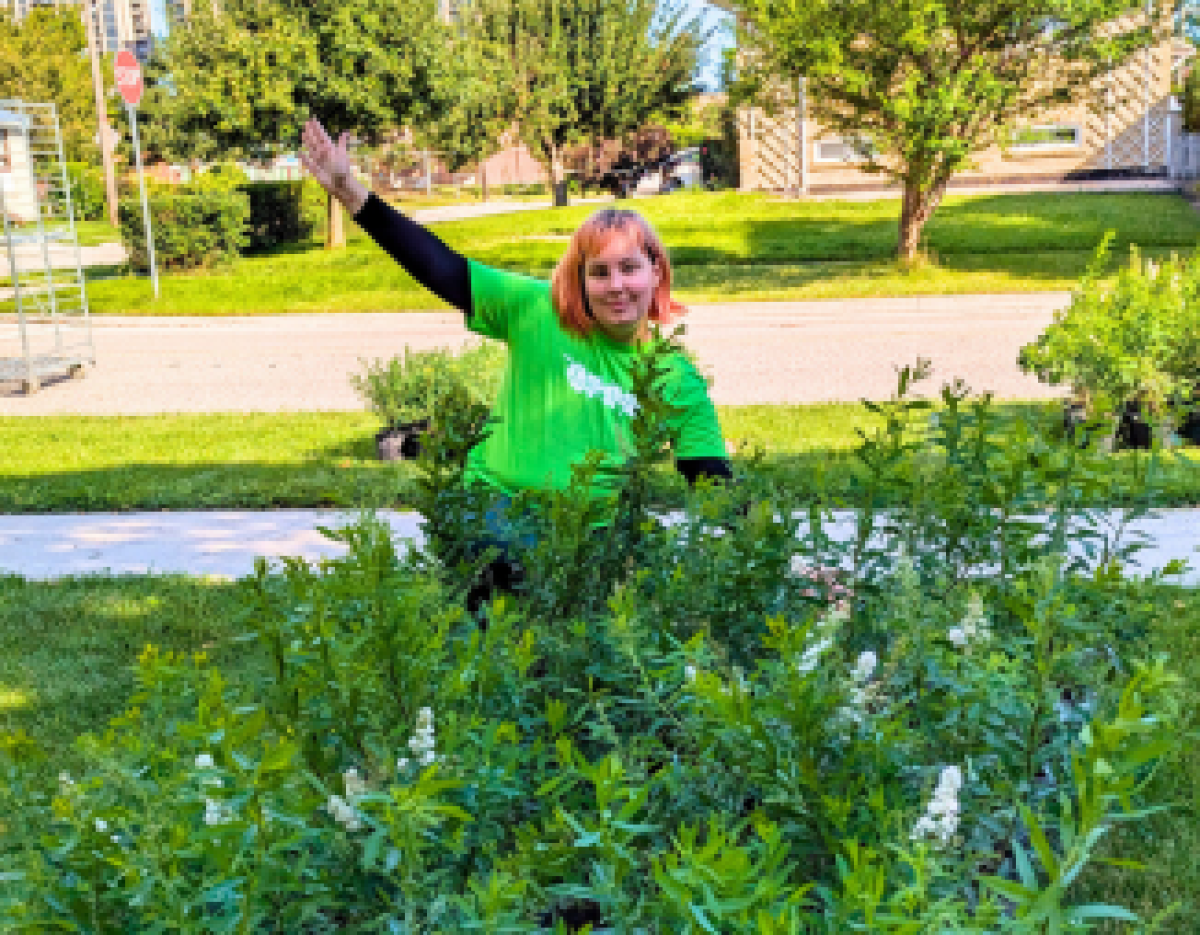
(45,328)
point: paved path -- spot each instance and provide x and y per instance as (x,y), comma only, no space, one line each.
(225,543)
(758,352)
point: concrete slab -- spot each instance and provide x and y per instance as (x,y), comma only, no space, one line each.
(226,543)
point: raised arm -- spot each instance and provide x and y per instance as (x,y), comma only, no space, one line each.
(442,271)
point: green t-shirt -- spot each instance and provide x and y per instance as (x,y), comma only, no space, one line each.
(563,396)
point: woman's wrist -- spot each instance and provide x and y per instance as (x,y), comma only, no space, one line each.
(350,192)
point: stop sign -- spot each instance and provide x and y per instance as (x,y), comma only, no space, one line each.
(129,78)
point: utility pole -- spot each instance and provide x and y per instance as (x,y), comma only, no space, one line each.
(110,175)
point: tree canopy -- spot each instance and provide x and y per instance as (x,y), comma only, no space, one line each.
(569,71)
(242,79)
(924,84)
(43,59)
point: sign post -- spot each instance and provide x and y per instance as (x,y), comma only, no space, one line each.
(129,83)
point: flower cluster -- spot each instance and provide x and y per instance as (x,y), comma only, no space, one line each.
(826,631)
(344,810)
(940,820)
(973,627)
(422,743)
(216,811)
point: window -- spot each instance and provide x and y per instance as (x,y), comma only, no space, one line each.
(843,149)
(1046,137)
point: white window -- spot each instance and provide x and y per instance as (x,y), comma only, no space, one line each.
(843,149)
(1049,136)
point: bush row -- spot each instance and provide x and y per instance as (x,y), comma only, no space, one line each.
(217,218)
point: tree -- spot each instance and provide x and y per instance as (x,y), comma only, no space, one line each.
(572,71)
(924,84)
(242,79)
(43,58)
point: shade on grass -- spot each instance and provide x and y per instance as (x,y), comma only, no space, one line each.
(261,460)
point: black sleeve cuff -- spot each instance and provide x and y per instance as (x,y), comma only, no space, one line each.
(694,468)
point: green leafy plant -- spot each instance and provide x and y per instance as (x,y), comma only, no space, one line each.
(1134,341)
(725,720)
(413,386)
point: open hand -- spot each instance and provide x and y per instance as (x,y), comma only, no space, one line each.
(329,164)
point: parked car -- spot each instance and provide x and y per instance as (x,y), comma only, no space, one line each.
(682,170)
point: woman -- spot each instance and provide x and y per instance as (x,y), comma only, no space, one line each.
(572,341)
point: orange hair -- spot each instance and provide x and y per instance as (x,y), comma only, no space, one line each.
(593,235)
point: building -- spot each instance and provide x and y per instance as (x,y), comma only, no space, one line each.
(1130,126)
(118,24)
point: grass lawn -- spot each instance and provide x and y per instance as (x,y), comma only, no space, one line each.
(725,246)
(67,647)
(259,460)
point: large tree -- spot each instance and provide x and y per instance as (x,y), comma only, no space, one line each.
(43,59)
(240,79)
(924,84)
(571,71)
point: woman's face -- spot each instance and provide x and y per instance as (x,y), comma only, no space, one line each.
(619,283)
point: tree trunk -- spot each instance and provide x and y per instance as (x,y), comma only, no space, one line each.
(335,230)
(919,205)
(556,175)
(483,179)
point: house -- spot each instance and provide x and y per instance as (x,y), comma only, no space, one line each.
(16,178)
(1129,127)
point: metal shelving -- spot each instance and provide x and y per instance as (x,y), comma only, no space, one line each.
(45,328)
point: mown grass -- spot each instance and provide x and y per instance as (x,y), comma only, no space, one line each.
(725,246)
(67,650)
(260,460)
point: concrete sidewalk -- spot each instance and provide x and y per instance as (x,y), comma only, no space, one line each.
(226,543)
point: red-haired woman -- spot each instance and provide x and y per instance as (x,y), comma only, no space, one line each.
(572,340)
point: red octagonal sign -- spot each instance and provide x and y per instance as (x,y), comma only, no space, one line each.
(129,77)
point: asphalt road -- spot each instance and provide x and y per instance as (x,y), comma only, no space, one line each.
(761,352)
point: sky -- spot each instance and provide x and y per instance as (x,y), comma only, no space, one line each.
(710,72)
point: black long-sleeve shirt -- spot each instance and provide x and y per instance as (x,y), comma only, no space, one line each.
(445,273)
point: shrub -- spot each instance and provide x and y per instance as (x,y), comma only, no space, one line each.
(197,227)
(723,723)
(278,214)
(411,387)
(1136,341)
(87,191)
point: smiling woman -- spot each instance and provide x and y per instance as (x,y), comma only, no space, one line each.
(573,342)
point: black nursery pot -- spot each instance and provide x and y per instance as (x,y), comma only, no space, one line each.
(1134,431)
(401,442)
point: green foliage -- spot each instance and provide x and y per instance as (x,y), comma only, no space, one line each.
(931,83)
(201,227)
(418,385)
(564,72)
(279,214)
(1190,97)
(716,723)
(87,191)
(41,61)
(1135,340)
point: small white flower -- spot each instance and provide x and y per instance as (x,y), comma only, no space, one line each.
(957,636)
(401,764)
(217,812)
(865,666)
(343,813)
(66,783)
(205,761)
(356,786)
(951,778)
(941,815)
(812,656)
(690,673)
(101,825)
